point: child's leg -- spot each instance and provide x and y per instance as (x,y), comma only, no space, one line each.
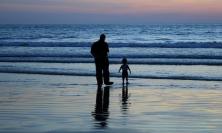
(123,78)
(127,79)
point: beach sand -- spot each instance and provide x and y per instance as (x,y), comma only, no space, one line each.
(64,104)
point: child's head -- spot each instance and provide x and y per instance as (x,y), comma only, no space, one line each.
(124,61)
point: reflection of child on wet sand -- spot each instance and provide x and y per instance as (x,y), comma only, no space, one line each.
(124,67)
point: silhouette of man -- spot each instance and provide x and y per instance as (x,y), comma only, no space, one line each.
(99,51)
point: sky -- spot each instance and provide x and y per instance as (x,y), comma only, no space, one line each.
(110,11)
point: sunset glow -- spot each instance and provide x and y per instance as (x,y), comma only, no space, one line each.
(211,9)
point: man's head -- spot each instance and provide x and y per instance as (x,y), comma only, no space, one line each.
(102,37)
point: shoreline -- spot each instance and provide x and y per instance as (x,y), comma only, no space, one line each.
(114,76)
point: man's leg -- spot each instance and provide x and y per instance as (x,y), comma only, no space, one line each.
(106,71)
(99,72)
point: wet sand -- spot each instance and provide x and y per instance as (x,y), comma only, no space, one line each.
(65,104)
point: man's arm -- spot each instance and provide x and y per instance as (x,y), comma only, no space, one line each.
(92,51)
(107,47)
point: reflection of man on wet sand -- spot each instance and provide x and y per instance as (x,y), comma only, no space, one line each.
(101,113)
(99,51)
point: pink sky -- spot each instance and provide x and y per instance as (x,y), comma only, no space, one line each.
(192,8)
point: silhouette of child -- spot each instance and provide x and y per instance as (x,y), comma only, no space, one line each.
(124,67)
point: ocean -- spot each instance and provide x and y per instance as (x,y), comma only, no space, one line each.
(187,52)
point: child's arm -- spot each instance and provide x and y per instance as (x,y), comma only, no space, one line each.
(129,69)
(120,69)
